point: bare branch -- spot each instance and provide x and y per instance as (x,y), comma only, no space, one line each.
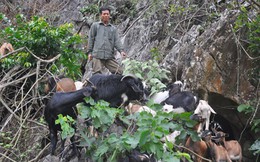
(17,81)
(254,2)
(26,49)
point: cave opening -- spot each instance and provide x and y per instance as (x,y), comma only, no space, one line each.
(233,122)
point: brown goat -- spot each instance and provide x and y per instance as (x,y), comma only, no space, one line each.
(59,85)
(6,47)
(65,85)
(218,152)
(198,147)
(233,147)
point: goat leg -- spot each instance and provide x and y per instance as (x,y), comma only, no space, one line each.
(54,138)
(74,152)
(63,144)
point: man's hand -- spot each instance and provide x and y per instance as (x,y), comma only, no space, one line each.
(123,54)
(89,57)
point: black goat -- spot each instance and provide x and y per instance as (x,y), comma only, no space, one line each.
(220,123)
(136,156)
(64,103)
(118,90)
(180,99)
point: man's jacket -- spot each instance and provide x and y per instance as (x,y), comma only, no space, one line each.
(102,41)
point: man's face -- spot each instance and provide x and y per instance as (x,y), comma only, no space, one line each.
(105,16)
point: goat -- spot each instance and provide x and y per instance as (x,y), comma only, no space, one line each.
(222,124)
(111,88)
(79,85)
(184,100)
(136,156)
(162,96)
(233,148)
(169,108)
(6,47)
(64,103)
(218,153)
(204,111)
(59,84)
(198,149)
(170,138)
(134,108)
(180,99)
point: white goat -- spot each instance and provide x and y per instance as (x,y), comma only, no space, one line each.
(169,108)
(204,110)
(160,97)
(134,108)
(78,84)
(170,138)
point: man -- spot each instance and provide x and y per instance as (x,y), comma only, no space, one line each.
(103,39)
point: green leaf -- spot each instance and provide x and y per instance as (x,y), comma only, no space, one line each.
(132,141)
(242,107)
(255,147)
(144,137)
(101,150)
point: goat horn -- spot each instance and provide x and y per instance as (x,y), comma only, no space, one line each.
(88,81)
(128,75)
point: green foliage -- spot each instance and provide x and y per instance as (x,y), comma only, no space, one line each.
(255,147)
(246,108)
(45,41)
(253,26)
(173,9)
(254,35)
(102,117)
(6,137)
(110,146)
(100,113)
(66,123)
(90,9)
(156,54)
(148,71)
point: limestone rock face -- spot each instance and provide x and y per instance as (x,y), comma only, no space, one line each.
(217,64)
(207,57)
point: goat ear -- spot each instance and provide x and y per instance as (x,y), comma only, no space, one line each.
(215,138)
(88,81)
(136,88)
(211,109)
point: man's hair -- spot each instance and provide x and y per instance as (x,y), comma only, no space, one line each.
(104,8)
